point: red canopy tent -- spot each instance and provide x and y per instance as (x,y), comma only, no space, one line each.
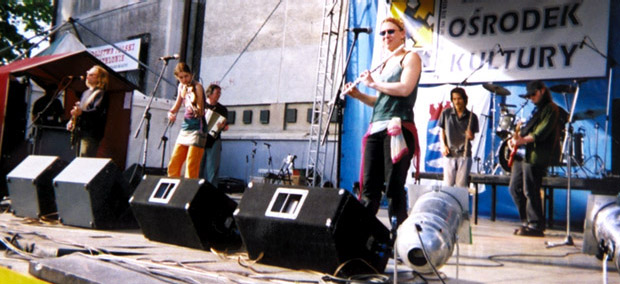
(50,70)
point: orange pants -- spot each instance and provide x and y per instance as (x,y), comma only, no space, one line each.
(179,155)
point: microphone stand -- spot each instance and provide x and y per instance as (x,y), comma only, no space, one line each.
(60,89)
(610,67)
(568,132)
(163,141)
(338,105)
(146,116)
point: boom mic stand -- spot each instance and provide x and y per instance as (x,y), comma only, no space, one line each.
(337,104)
(164,140)
(146,116)
(611,63)
(59,90)
(568,137)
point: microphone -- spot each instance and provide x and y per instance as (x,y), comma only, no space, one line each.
(583,42)
(501,50)
(267,144)
(168,57)
(71,77)
(366,30)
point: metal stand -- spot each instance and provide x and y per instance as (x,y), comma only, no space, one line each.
(164,140)
(599,164)
(337,105)
(249,175)
(147,117)
(568,240)
(611,63)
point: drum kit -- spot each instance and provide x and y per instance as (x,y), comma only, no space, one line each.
(508,120)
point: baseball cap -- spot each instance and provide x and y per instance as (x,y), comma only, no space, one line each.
(533,86)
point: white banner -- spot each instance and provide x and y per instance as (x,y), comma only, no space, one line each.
(519,40)
(116,59)
(502,41)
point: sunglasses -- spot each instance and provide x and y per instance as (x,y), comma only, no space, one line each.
(390,32)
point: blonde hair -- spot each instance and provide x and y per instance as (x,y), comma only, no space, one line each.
(102,78)
(398,22)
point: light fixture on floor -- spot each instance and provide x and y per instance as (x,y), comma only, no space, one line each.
(601,234)
(440,216)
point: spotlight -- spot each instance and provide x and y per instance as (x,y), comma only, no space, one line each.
(601,233)
(440,216)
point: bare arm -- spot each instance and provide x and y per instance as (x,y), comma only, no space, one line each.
(412,67)
(172,114)
(364,98)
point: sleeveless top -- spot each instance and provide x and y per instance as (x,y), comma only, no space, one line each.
(191,119)
(388,106)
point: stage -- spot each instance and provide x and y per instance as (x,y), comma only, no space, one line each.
(496,256)
(604,186)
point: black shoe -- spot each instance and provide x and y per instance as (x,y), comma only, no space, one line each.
(529,232)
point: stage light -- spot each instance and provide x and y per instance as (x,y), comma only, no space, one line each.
(601,235)
(439,217)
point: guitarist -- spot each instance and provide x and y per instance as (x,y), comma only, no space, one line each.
(541,137)
(89,115)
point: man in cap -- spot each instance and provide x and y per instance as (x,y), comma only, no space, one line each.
(541,138)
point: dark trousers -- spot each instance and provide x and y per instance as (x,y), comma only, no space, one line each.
(525,182)
(381,175)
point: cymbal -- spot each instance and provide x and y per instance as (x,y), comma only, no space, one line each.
(588,114)
(564,89)
(496,89)
(524,96)
(506,105)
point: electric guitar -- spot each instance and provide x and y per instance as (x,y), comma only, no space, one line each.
(74,128)
(516,151)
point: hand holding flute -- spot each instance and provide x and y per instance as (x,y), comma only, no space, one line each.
(366,76)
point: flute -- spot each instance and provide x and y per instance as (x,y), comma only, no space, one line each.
(359,79)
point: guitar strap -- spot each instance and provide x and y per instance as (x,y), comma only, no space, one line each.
(91,98)
(531,122)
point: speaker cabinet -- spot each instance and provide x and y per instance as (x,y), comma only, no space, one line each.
(311,228)
(91,193)
(30,185)
(186,212)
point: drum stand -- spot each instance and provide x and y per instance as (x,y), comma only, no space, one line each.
(568,241)
(491,162)
(599,165)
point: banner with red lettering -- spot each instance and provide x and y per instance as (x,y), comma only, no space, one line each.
(117,59)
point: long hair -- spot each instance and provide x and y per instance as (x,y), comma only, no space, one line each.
(182,67)
(460,92)
(102,78)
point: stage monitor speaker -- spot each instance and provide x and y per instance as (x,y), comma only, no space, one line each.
(615,137)
(311,228)
(91,193)
(134,173)
(186,212)
(30,185)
